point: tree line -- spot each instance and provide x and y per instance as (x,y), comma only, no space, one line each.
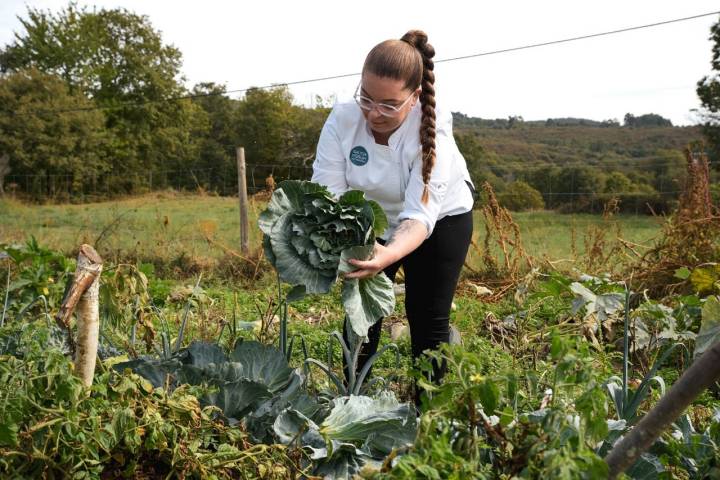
(93,104)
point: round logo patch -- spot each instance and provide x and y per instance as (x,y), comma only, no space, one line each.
(359,156)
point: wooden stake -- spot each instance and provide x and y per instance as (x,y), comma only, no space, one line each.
(243,199)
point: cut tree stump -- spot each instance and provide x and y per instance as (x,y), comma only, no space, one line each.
(83,295)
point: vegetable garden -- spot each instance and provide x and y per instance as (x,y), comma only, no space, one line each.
(558,373)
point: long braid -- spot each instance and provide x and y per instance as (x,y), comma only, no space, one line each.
(418,39)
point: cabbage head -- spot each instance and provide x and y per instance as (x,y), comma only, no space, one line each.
(308,238)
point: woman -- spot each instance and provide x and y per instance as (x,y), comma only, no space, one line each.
(391,144)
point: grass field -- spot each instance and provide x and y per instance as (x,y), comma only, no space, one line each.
(171,229)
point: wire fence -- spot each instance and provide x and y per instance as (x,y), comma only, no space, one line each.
(223,181)
(220,180)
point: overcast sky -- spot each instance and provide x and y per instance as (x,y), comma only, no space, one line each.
(243,44)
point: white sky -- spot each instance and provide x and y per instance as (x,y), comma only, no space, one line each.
(263,42)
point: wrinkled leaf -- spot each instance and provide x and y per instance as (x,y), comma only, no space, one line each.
(293,268)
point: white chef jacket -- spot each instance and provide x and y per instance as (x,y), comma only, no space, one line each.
(348,158)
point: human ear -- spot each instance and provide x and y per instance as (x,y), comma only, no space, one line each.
(416,93)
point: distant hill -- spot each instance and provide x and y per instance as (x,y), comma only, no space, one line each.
(579,161)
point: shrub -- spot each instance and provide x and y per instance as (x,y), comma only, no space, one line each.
(520,196)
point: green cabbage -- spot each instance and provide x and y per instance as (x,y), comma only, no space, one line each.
(308,238)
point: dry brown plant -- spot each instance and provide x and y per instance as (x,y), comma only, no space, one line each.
(503,233)
(689,237)
(600,250)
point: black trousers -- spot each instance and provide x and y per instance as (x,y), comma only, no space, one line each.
(431,275)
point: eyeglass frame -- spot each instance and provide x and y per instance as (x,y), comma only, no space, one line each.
(373,104)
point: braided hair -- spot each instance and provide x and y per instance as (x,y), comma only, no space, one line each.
(410,60)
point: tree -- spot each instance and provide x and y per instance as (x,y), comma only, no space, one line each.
(111,55)
(4,170)
(118,60)
(580,185)
(519,196)
(64,150)
(269,127)
(217,150)
(708,89)
(617,183)
(647,120)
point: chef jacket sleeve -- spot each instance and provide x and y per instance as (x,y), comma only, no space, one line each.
(445,149)
(329,165)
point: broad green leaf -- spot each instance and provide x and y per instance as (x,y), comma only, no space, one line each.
(278,206)
(236,399)
(380,221)
(203,354)
(292,426)
(156,371)
(647,467)
(709,332)
(603,305)
(264,364)
(295,191)
(267,248)
(352,197)
(375,421)
(367,300)
(260,423)
(489,396)
(345,463)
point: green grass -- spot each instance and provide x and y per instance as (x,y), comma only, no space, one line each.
(170,229)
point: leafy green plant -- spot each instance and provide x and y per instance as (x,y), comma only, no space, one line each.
(695,452)
(358,431)
(355,383)
(309,237)
(40,273)
(241,382)
(50,427)
(483,423)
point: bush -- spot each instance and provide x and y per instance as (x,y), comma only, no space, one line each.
(520,196)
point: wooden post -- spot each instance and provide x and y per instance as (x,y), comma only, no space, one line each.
(243,199)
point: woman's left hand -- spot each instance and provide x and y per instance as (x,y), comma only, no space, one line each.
(381,258)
